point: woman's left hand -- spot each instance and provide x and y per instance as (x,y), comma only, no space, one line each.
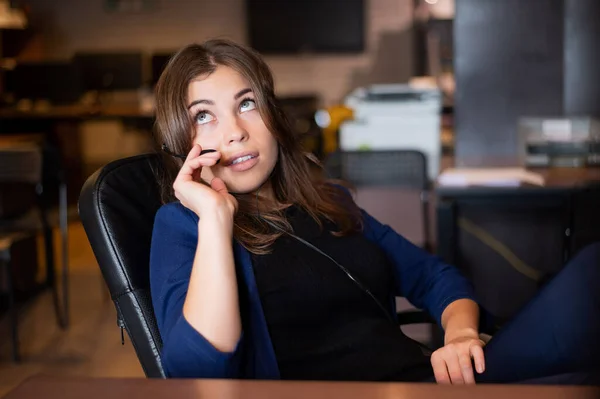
(452,363)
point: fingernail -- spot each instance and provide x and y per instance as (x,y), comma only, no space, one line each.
(480,368)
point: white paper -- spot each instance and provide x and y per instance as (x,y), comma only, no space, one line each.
(495,177)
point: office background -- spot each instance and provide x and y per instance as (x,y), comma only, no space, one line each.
(495,61)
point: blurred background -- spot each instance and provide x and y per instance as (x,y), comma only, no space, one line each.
(462,83)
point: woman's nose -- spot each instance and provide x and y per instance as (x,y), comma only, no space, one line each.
(235,131)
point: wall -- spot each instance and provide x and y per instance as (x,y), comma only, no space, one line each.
(70,25)
(508,63)
(518,59)
(582,59)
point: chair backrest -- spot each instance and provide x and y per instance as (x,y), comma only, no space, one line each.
(117,208)
(381,178)
(397,168)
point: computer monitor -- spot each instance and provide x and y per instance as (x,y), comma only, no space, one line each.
(110,71)
(308,26)
(159,62)
(57,82)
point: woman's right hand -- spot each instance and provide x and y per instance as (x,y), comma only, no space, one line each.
(202,199)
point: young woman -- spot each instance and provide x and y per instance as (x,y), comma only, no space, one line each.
(260,268)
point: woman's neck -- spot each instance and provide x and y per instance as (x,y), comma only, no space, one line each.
(266,200)
(265,192)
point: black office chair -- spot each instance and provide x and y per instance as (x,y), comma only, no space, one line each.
(27,168)
(117,208)
(385,168)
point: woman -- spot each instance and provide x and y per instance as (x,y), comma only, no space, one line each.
(264,270)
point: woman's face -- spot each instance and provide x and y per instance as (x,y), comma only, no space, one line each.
(225,119)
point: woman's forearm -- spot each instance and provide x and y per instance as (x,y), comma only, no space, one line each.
(211,305)
(461,319)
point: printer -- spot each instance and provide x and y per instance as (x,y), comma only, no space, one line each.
(395,117)
(561,141)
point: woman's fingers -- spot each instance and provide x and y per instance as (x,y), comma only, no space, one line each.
(193,163)
(186,168)
(440,371)
(454,362)
(192,167)
(203,160)
(464,361)
(454,368)
(218,185)
(194,193)
(478,358)
(194,151)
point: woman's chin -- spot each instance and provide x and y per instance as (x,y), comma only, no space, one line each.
(249,183)
(241,189)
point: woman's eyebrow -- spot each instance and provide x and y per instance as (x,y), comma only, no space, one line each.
(196,102)
(210,102)
(242,92)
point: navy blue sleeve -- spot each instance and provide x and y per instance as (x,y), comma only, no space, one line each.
(185,352)
(426,281)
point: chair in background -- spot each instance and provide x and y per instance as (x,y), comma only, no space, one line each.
(22,168)
(373,173)
(117,208)
(390,168)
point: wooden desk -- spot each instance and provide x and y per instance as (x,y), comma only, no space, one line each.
(556,180)
(561,185)
(67,388)
(568,177)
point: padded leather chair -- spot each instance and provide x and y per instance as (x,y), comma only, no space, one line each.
(117,208)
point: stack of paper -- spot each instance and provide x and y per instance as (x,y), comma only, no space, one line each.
(497,177)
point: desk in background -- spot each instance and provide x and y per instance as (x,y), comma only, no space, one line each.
(15,121)
(59,127)
(510,241)
(129,388)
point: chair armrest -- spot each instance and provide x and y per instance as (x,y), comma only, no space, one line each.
(414,317)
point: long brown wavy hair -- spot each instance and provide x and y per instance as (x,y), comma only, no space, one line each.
(297,178)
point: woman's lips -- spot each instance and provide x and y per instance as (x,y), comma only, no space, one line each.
(243,163)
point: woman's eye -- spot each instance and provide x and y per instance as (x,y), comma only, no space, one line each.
(247,105)
(204,117)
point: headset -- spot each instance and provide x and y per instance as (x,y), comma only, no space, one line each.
(182,156)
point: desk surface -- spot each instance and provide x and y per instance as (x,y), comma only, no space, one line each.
(568,177)
(66,388)
(556,180)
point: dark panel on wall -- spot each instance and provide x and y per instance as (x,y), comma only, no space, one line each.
(582,57)
(508,63)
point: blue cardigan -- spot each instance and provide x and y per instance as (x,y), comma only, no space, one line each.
(422,278)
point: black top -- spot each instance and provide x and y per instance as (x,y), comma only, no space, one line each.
(302,293)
